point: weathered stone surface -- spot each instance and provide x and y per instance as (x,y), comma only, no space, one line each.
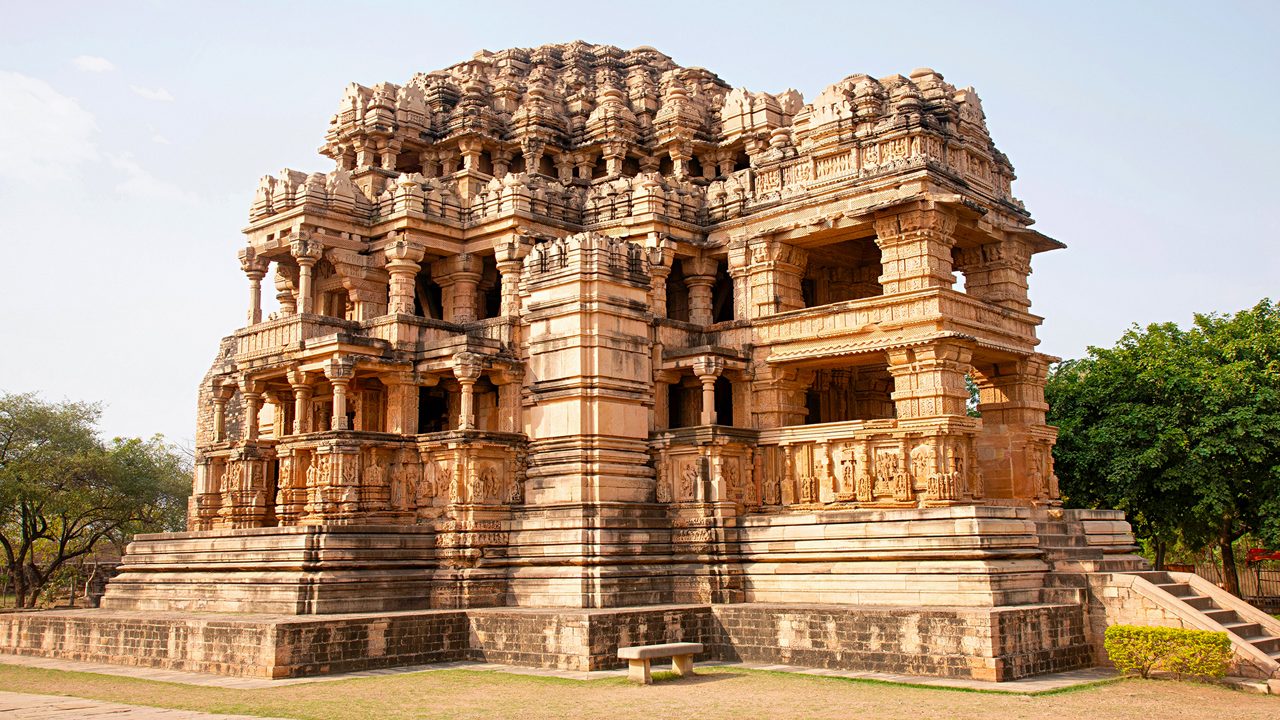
(577,348)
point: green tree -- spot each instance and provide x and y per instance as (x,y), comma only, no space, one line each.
(64,492)
(1178,428)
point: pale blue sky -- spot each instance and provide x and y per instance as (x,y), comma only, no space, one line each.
(132,135)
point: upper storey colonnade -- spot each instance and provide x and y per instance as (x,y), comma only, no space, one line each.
(844,264)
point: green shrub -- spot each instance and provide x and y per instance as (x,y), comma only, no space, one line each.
(1200,653)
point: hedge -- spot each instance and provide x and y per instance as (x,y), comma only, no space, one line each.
(1201,653)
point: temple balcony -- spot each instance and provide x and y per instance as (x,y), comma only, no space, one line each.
(875,323)
(287,334)
(863,463)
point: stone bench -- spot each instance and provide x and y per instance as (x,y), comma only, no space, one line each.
(638,657)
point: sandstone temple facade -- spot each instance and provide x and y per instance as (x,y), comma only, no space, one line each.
(573,347)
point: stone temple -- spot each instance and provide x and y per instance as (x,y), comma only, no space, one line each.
(578,348)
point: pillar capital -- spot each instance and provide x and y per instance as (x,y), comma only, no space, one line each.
(340,370)
(513,251)
(306,250)
(708,367)
(253,264)
(404,252)
(467,368)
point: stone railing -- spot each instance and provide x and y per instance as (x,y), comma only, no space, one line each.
(871,463)
(499,329)
(845,328)
(286,333)
(880,462)
(411,332)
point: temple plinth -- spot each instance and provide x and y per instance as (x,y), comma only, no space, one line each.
(579,332)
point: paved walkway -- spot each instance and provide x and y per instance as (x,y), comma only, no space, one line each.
(1041,683)
(21,706)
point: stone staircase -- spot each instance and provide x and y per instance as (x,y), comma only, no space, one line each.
(1244,624)
(1093,563)
(1073,545)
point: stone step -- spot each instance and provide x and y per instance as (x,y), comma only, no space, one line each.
(1063,541)
(1244,629)
(1177,589)
(1064,596)
(1200,602)
(1219,615)
(1266,643)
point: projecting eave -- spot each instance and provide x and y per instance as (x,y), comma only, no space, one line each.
(1039,241)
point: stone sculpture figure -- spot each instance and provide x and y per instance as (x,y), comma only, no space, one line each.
(688,483)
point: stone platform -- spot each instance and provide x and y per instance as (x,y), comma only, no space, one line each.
(1002,643)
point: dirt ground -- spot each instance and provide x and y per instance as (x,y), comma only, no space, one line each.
(717,692)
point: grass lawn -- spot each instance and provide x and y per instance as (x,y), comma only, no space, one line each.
(717,692)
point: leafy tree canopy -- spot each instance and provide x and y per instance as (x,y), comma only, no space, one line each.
(64,491)
(1180,428)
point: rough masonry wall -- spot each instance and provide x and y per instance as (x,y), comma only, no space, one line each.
(998,644)
(994,644)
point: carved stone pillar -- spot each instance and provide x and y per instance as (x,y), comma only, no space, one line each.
(388,154)
(298,382)
(364,298)
(707,369)
(532,149)
(661,252)
(306,252)
(402,265)
(508,381)
(221,395)
(915,250)
(458,277)
(564,168)
(255,268)
(448,161)
(928,379)
(700,276)
(470,149)
(252,404)
(402,402)
(775,272)
(430,166)
(997,272)
(779,395)
(585,163)
(278,402)
(466,370)
(340,374)
(680,157)
(739,259)
(614,154)
(501,162)
(286,289)
(1015,446)
(510,259)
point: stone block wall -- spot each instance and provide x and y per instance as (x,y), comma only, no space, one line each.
(986,644)
(222,646)
(994,644)
(362,643)
(583,640)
